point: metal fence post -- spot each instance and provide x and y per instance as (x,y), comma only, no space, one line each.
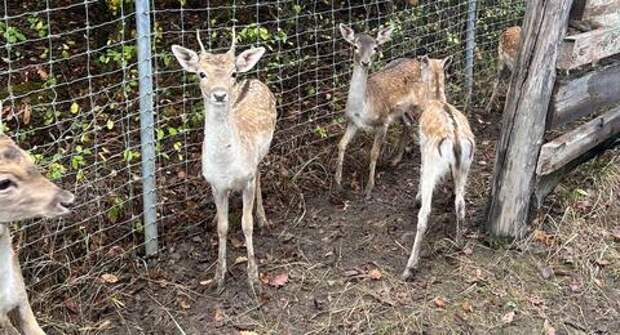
(147,129)
(470,46)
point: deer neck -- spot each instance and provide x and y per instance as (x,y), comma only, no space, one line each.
(358,90)
(219,131)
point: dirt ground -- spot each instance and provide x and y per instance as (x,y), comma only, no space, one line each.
(338,260)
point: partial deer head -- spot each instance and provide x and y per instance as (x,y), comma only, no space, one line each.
(365,47)
(24,191)
(433,74)
(217,72)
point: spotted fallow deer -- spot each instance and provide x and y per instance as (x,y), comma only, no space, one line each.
(507,50)
(374,102)
(447,144)
(239,125)
(24,193)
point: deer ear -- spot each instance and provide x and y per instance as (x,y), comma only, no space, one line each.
(247,59)
(186,57)
(384,35)
(347,33)
(446,61)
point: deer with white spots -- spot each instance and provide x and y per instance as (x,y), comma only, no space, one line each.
(239,124)
(447,145)
(375,101)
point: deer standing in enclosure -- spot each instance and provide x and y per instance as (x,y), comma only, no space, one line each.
(507,51)
(239,125)
(375,101)
(24,193)
(447,144)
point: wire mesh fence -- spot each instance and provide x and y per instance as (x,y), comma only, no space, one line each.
(69,92)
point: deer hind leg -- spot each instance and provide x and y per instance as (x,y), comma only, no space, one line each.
(432,170)
(6,327)
(498,78)
(374,155)
(247,224)
(460,181)
(221,202)
(260,210)
(342,147)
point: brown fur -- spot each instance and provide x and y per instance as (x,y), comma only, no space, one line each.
(507,52)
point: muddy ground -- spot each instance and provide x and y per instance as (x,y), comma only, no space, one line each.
(338,259)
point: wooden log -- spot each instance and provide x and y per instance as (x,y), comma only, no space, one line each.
(579,97)
(564,149)
(547,183)
(598,12)
(524,117)
(589,47)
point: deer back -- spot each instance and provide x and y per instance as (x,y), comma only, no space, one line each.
(397,83)
(509,43)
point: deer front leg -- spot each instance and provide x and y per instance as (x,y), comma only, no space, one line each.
(26,320)
(221,202)
(260,210)
(374,155)
(342,147)
(247,224)
(498,78)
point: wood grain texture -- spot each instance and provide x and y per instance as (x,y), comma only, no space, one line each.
(578,97)
(589,47)
(600,12)
(524,117)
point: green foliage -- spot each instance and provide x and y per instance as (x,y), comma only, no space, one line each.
(11,34)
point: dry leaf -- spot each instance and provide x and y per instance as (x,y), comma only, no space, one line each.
(219,315)
(184,305)
(109,278)
(206,282)
(549,330)
(26,113)
(440,302)
(374,274)
(72,306)
(279,280)
(236,243)
(264,278)
(467,307)
(468,251)
(240,259)
(508,317)
(547,272)
(42,73)
(542,236)
(247,332)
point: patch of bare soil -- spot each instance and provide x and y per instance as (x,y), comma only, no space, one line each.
(333,267)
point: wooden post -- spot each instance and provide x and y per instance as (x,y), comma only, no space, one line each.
(523,123)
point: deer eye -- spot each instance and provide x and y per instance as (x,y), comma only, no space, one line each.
(234,74)
(202,75)
(6,184)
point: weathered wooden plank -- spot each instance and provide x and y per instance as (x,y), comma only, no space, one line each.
(589,47)
(547,183)
(579,97)
(524,117)
(562,150)
(599,12)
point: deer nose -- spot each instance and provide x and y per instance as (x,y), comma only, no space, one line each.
(219,95)
(365,63)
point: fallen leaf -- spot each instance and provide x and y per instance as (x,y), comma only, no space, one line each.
(247,332)
(374,274)
(468,251)
(279,280)
(467,307)
(72,306)
(109,278)
(547,272)
(26,113)
(508,317)
(549,330)
(184,305)
(219,315)
(236,243)
(264,278)
(616,234)
(440,302)
(206,282)
(542,236)
(75,108)
(42,73)
(240,259)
